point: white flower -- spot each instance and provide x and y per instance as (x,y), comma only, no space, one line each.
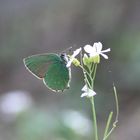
(77,121)
(96,50)
(87,92)
(15,101)
(72,57)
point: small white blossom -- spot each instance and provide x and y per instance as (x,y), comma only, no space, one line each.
(72,57)
(96,50)
(87,92)
(77,121)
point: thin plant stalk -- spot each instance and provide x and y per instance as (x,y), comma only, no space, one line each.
(94,74)
(94,118)
(108,123)
(92,100)
(117,114)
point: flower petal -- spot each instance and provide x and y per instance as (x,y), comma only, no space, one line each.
(69,63)
(98,46)
(89,49)
(104,55)
(93,54)
(85,55)
(85,88)
(84,94)
(91,93)
(76,52)
(87,92)
(107,50)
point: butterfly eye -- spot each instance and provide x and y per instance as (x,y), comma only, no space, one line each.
(64,57)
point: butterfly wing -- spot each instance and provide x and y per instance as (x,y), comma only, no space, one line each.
(57,77)
(51,68)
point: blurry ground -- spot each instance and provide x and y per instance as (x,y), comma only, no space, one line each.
(28,109)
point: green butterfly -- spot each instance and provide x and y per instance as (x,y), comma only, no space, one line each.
(51,68)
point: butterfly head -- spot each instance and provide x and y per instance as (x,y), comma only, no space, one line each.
(64,57)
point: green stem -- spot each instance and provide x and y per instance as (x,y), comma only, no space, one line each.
(108,123)
(94,118)
(117,114)
(94,74)
(117,103)
(92,70)
(92,78)
(85,72)
(92,102)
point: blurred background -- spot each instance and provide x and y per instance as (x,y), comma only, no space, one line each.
(28,110)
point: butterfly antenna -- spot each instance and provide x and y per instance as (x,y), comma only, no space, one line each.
(69,49)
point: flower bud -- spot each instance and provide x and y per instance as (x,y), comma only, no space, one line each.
(86,60)
(76,62)
(95,59)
